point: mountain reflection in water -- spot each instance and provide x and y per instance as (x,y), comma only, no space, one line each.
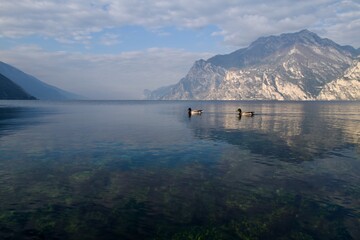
(145,170)
(292,129)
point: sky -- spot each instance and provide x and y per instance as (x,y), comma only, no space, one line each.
(115,49)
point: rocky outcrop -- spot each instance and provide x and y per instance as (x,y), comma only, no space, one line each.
(344,88)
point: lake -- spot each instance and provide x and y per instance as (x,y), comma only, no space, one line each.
(146,170)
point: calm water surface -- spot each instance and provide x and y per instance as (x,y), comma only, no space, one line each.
(146,170)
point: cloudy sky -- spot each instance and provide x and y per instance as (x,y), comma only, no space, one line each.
(114,49)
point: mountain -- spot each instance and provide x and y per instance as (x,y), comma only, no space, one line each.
(9,90)
(292,66)
(346,87)
(34,86)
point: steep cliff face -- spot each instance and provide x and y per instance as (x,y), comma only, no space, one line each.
(293,66)
(344,88)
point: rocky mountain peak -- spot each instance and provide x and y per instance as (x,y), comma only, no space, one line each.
(291,66)
(264,48)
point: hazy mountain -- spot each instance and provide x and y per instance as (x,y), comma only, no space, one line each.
(34,86)
(9,90)
(293,66)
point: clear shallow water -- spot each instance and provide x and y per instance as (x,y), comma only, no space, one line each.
(145,170)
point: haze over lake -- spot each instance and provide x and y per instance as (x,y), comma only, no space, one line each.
(146,170)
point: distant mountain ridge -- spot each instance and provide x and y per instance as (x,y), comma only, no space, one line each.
(9,90)
(34,86)
(292,66)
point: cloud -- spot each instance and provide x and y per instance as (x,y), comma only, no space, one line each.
(81,27)
(343,25)
(104,76)
(61,20)
(109,39)
(240,22)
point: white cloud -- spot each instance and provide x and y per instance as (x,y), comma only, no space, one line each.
(104,76)
(110,39)
(57,19)
(240,22)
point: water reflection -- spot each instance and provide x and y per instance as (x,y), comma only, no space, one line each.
(154,173)
(291,131)
(13,118)
(308,149)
